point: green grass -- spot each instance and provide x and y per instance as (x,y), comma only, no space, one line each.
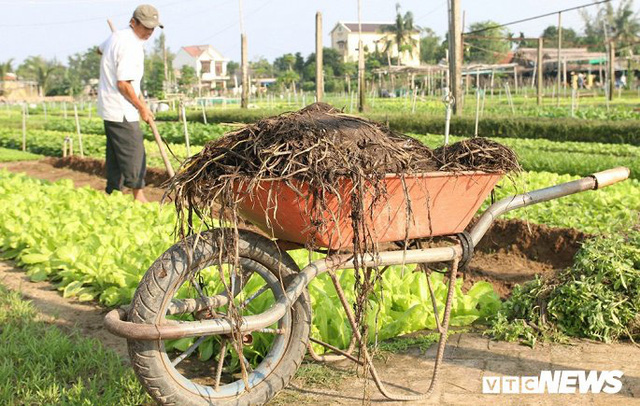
(42,365)
(11,155)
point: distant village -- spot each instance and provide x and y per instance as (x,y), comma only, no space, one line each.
(203,71)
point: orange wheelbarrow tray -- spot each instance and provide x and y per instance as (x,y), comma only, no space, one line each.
(424,205)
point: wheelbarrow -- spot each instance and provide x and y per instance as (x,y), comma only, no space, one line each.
(174,306)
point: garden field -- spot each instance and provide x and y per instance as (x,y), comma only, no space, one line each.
(96,248)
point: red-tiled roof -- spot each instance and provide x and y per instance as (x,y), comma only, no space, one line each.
(507,58)
(196,50)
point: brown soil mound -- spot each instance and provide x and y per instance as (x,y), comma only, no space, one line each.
(154,176)
(553,246)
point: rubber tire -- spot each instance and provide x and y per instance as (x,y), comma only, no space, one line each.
(159,285)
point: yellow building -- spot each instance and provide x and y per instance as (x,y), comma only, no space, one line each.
(344,38)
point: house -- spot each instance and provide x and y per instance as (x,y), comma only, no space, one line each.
(344,39)
(11,88)
(209,64)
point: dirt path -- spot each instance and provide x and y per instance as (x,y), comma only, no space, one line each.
(53,308)
(45,170)
(470,357)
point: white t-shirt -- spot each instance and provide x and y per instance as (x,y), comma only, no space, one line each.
(122,59)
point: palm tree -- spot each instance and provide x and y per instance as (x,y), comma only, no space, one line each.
(40,70)
(622,25)
(400,34)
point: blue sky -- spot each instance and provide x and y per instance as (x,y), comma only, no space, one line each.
(59,28)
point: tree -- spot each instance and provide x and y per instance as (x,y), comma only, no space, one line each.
(430,49)
(621,24)
(187,78)
(285,62)
(288,78)
(232,68)
(6,67)
(154,80)
(570,37)
(83,67)
(261,68)
(40,70)
(487,50)
(400,34)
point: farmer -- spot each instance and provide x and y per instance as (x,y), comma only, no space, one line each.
(120,103)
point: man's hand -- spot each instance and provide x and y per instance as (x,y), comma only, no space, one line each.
(146,115)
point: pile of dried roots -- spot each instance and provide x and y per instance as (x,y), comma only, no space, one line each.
(318,145)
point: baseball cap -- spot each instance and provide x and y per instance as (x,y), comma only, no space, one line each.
(147,15)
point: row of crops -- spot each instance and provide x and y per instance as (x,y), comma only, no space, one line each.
(587,105)
(573,158)
(94,246)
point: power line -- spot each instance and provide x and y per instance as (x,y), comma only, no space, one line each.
(536,17)
(78,21)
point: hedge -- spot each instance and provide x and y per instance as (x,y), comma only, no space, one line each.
(556,129)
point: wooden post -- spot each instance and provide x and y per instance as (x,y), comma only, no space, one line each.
(475,133)
(515,78)
(564,76)
(455,52)
(491,84)
(558,63)
(540,69)
(24,127)
(75,114)
(204,114)
(361,82)
(244,99)
(612,69)
(319,61)
(186,131)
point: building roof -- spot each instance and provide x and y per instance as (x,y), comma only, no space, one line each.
(366,27)
(196,50)
(551,54)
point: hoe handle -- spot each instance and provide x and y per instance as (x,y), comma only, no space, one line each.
(163,153)
(610,176)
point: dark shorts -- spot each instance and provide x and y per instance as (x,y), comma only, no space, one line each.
(126,158)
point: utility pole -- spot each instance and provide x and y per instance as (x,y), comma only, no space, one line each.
(362,92)
(612,68)
(558,63)
(244,98)
(164,57)
(319,62)
(539,72)
(455,53)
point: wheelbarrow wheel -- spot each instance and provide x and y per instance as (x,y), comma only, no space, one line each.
(214,375)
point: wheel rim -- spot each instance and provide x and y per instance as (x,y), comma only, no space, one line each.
(233,384)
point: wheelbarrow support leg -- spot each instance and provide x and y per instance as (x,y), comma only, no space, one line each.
(444,327)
